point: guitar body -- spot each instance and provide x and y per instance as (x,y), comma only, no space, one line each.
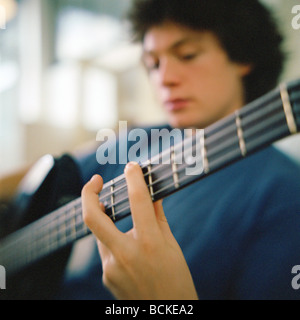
(50,184)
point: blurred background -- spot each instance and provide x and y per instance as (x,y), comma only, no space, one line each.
(68,69)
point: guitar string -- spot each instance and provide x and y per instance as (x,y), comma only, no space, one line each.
(127,208)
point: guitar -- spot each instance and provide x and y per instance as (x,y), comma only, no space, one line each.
(262,122)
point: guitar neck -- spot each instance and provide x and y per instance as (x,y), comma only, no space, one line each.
(262,122)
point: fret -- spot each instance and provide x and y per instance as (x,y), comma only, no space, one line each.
(35,243)
(84,228)
(295,97)
(112,199)
(81,226)
(288,109)
(104,196)
(174,168)
(240,134)
(73,223)
(46,239)
(149,167)
(31,251)
(62,230)
(204,152)
(115,198)
(52,237)
(53,233)
(39,241)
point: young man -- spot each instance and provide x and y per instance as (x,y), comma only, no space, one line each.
(234,234)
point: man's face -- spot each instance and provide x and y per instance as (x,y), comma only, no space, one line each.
(195,80)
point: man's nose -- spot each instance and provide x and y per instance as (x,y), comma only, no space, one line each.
(168,74)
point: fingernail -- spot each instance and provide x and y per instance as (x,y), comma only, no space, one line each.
(130,165)
(94,177)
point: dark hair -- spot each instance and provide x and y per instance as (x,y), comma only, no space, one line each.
(245,29)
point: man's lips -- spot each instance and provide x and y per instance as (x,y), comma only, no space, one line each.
(176,104)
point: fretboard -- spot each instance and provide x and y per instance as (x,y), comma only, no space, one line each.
(266,120)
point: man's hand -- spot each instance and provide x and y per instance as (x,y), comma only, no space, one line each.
(146,262)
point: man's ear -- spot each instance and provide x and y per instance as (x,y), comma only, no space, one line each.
(244,69)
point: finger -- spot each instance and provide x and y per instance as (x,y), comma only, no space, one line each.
(164,225)
(159,212)
(141,205)
(161,218)
(94,217)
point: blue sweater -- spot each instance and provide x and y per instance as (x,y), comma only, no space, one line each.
(238,228)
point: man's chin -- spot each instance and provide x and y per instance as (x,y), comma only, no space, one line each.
(176,122)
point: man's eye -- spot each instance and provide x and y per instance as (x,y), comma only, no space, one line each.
(189,56)
(153,66)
